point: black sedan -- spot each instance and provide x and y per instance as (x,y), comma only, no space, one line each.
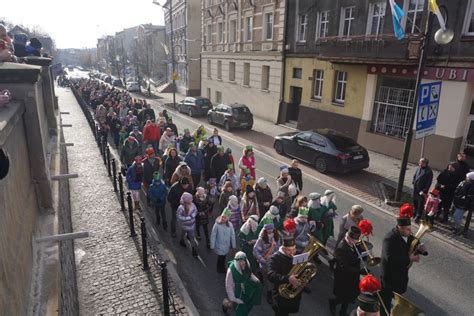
(231,116)
(325,149)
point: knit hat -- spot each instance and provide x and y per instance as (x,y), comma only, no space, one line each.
(249,189)
(262,180)
(267,223)
(240,255)
(233,201)
(186,197)
(274,210)
(357,208)
(220,149)
(211,181)
(314,196)
(303,211)
(470,176)
(226,212)
(284,170)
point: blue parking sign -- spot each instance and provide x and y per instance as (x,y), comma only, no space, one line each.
(427,110)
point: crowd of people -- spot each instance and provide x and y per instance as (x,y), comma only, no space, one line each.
(15,46)
(201,184)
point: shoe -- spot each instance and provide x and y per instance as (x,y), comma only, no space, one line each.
(194,252)
(182,243)
(332,307)
(269,297)
(198,237)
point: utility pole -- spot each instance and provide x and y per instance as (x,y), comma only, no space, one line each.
(173,74)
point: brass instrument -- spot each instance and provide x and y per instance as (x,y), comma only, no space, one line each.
(424,228)
(304,271)
(404,307)
(372,261)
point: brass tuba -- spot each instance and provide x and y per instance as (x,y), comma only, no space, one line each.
(305,271)
(424,228)
(404,307)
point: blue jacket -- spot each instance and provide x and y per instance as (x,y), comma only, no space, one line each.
(157,193)
(195,161)
(131,178)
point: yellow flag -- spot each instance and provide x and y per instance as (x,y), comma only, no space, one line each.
(433,6)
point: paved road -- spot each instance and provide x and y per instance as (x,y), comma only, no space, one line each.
(441,284)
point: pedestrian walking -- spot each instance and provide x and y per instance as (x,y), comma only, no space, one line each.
(300,201)
(151,164)
(138,136)
(248,237)
(463,201)
(229,158)
(296,175)
(226,193)
(267,244)
(157,192)
(303,229)
(172,126)
(202,219)
(208,152)
(212,192)
(352,218)
(195,161)
(271,216)
(218,165)
(283,185)
(115,127)
(130,150)
(134,180)
(235,216)
(329,213)
(185,140)
(182,171)
(422,179)
(247,161)
(462,167)
(279,202)
(199,135)
(222,239)
(316,214)
(248,204)
(264,196)
(152,135)
(229,175)
(170,164)
(447,182)
(242,286)
(215,138)
(168,138)
(174,198)
(347,272)
(187,213)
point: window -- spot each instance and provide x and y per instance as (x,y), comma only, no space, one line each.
(268,33)
(297,73)
(246,74)
(265,77)
(232,31)
(208,69)
(303,22)
(232,71)
(219,69)
(318,83)
(220,32)
(376,18)
(414,14)
(347,16)
(341,82)
(322,24)
(248,28)
(218,97)
(209,34)
(469,21)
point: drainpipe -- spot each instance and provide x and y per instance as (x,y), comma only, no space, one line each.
(283,57)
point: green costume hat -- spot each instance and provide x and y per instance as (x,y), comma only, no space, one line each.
(303,211)
(230,166)
(220,149)
(226,212)
(156,176)
(246,170)
(267,223)
(186,130)
(249,147)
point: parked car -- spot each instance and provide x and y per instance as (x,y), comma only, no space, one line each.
(325,149)
(231,116)
(117,82)
(133,86)
(194,106)
(108,79)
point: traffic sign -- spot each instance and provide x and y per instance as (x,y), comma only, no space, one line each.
(427,110)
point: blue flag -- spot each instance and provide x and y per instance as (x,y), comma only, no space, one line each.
(397,15)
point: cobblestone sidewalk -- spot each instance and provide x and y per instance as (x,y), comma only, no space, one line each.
(109,275)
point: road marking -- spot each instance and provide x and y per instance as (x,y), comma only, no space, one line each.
(229,138)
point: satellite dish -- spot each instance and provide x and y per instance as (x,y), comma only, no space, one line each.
(444,37)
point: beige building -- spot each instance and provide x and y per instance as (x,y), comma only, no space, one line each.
(242,45)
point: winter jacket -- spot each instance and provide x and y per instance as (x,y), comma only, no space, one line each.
(203,209)
(150,168)
(175,193)
(151,133)
(218,166)
(297,177)
(263,195)
(248,207)
(170,166)
(184,143)
(176,177)
(157,193)
(301,235)
(224,199)
(247,162)
(187,220)
(138,136)
(129,152)
(233,179)
(222,237)
(431,205)
(234,217)
(195,161)
(262,250)
(134,178)
(166,140)
(422,180)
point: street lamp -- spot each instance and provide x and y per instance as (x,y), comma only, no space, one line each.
(173,71)
(442,37)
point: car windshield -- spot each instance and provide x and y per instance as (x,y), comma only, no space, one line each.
(203,102)
(240,110)
(341,142)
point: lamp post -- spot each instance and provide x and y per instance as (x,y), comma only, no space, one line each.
(173,71)
(442,37)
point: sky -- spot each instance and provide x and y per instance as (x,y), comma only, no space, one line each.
(78,24)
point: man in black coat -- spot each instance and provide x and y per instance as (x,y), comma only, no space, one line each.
(422,180)
(396,260)
(174,197)
(151,164)
(461,166)
(346,273)
(218,166)
(279,267)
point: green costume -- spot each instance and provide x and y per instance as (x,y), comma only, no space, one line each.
(317,215)
(248,248)
(247,290)
(327,219)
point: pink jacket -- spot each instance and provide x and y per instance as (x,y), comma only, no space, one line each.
(431,205)
(247,162)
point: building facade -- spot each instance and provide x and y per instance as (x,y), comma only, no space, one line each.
(242,53)
(151,55)
(345,70)
(186,34)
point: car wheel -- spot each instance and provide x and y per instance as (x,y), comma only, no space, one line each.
(278,145)
(209,119)
(190,113)
(321,165)
(227,126)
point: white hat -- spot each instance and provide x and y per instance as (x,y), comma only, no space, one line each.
(470,176)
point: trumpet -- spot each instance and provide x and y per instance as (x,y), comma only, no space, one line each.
(372,261)
(416,242)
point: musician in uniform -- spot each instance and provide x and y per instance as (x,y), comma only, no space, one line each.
(279,267)
(346,273)
(367,302)
(396,258)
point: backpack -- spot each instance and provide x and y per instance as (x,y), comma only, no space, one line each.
(461,195)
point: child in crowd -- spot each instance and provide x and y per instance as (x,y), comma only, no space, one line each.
(227,191)
(431,205)
(204,209)
(187,213)
(212,193)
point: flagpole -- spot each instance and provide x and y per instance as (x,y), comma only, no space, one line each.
(419,76)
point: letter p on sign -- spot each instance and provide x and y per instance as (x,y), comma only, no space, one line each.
(425,95)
